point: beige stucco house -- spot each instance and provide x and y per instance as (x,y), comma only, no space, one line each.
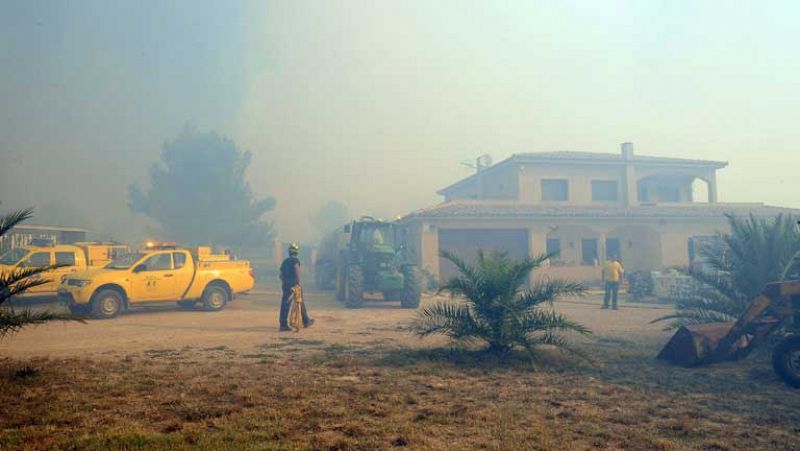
(649,211)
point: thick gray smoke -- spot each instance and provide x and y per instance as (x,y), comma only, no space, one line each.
(375,104)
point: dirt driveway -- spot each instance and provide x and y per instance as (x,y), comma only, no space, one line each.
(251,320)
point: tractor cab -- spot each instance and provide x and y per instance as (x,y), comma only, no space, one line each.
(374,237)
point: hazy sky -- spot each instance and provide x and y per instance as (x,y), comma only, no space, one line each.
(375,103)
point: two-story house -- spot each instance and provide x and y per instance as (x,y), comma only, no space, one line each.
(648,211)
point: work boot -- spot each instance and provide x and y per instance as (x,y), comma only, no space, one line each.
(285,329)
(309,323)
(605,307)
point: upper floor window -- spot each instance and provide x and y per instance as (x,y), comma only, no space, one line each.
(605,191)
(555,190)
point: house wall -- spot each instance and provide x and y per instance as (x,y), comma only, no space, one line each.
(579,178)
(522,182)
(646,243)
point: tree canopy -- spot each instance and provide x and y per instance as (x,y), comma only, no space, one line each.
(198,193)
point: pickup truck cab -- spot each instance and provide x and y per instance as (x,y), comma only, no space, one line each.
(72,258)
(157,274)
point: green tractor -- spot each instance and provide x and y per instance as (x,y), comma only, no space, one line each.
(368,256)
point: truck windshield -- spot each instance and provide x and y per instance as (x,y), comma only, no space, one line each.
(377,236)
(13,256)
(124,261)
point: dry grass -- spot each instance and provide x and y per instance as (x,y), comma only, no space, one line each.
(306,394)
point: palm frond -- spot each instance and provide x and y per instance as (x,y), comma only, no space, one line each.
(450,319)
(10,220)
(542,320)
(12,321)
(19,280)
(546,291)
(755,252)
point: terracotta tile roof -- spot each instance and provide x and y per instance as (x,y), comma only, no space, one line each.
(467,209)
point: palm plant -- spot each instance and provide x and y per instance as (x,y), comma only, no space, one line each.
(19,280)
(757,251)
(495,308)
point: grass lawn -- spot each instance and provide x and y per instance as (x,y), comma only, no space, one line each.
(309,394)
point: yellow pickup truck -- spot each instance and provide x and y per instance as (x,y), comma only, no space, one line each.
(72,258)
(158,274)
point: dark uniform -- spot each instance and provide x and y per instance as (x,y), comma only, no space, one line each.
(289,279)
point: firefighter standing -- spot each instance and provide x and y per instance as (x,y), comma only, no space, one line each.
(290,278)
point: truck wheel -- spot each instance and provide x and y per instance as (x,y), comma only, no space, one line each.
(106,304)
(786,360)
(412,290)
(80,309)
(214,298)
(186,305)
(355,287)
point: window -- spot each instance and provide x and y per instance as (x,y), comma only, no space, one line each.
(180,259)
(65,258)
(160,262)
(554,247)
(605,191)
(613,248)
(37,259)
(555,190)
(589,251)
(13,256)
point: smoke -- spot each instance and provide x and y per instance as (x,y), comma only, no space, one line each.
(375,104)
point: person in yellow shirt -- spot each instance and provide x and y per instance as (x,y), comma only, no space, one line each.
(613,275)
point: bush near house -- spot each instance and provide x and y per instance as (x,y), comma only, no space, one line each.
(493,308)
(756,252)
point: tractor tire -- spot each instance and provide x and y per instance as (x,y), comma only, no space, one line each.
(786,360)
(355,287)
(186,305)
(106,304)
(413,288)
(214,298)
(341,284)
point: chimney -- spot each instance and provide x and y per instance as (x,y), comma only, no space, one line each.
(627,150)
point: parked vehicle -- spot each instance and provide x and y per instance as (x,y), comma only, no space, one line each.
(73,258)
(160,273)
(366,256)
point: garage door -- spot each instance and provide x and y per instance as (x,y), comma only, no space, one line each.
(466,242)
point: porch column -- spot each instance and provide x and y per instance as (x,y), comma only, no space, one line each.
(712,188)
(429,248)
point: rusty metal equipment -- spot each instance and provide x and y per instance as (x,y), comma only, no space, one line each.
(719,342)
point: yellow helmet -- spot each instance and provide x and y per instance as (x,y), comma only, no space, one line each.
(294,249)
